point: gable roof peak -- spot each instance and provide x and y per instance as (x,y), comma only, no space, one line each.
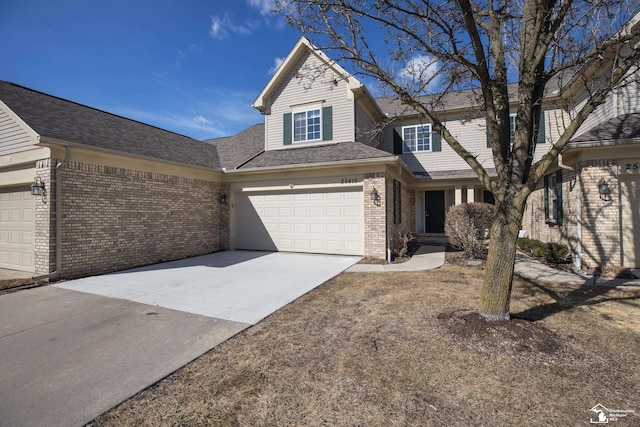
(302,46)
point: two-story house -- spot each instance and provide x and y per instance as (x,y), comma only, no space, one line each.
(331,170)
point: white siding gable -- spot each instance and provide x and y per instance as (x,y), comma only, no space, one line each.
(15,135)
(310,82)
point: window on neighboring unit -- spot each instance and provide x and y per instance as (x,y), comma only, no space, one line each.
(512,128)
(553,198)
(307,126)
(416,138)
(397,202)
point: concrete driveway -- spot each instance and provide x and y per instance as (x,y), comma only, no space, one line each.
(71,351)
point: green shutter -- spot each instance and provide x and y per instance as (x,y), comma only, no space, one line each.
(287,129)
(327,123)
(488,134)
(436,141)
(546,197)
(399,202)
(559,214)
(397,140)
(541,129)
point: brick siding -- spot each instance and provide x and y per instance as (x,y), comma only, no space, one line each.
(45,240)
(599,215)
(375,230)
(115,218)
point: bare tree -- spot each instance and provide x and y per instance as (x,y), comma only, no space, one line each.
(484,45)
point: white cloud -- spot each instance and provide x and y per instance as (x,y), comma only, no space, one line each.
(265,7)
(276,63)
(421,69)
(199,120)
(222,27)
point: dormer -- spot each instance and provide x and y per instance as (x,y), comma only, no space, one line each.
(311,100)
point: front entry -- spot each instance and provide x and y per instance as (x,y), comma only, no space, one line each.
(434,211)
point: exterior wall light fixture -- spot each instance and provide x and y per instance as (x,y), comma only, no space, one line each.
(374,195)
(37,188)
(223,199)
(603,189)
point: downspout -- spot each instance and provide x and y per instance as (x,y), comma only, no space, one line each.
(59,165)
(578,258)
(389,240)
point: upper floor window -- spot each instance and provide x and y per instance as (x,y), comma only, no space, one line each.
(307,125)
(416,138)
(314,124)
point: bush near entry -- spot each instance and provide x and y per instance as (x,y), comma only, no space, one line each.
(467,225)
(552,252)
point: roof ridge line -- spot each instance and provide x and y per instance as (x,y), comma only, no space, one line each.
(97,109)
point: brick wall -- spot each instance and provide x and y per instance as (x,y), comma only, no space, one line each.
(407,223)
(375,230)
(115,218)
(599,215)
(45,239)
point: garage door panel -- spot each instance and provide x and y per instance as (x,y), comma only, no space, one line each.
(17,248)
(306,222)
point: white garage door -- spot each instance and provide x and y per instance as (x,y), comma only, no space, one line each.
(328,222)
(17,247)
(630,200)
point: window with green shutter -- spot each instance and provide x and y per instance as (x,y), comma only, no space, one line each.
(315,124)
(553,212)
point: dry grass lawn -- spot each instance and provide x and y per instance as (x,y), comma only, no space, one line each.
(402,349)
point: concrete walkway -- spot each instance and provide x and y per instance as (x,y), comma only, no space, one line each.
(430,257)
(426,258)
(530,268)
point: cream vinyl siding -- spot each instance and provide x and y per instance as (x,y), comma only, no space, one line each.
(623,100)
(294,92)
(364,127)
(17,243)
(472,134)
(601,114)
(321,221)
(15,135)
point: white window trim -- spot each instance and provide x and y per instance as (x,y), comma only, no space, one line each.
(305,109)
(406,150)
(512,131)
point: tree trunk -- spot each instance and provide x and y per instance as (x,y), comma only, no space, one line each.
(498,279)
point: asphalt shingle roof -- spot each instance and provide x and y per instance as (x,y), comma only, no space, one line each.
(58,118)
(235,150)
(343,151)
(460,99)
(621,127)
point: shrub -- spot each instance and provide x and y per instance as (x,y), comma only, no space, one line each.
(403,249)
(467,225)
(556,253)
(552,252)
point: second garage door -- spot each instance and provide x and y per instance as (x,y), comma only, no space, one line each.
(17,247)
(329,222)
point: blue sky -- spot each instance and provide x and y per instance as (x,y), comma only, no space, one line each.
(190,66)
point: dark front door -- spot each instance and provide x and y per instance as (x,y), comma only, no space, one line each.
(434,211)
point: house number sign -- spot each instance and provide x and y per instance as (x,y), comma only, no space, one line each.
(631,167)
(349,181)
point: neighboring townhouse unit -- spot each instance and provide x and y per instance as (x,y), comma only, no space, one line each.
(331,170)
